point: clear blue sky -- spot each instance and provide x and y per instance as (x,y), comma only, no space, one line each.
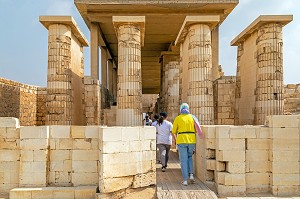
(23,40)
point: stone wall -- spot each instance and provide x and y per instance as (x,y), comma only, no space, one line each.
(292,99)
(224,99)
(242,160)
(36,157)
(110,116)
(22,101)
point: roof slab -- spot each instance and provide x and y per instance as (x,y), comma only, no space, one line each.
(164,19)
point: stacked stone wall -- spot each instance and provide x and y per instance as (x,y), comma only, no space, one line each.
(41,161)
(245,160)
(224,100)
(292,99)
(110,116)
(22,101)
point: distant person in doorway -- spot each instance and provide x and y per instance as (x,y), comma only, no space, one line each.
(155,120)
(184,128)
(164,139)
(147,121)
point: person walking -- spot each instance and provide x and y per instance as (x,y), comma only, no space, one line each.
(184,128)
(164,139)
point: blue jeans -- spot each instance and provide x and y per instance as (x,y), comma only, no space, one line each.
(186,161)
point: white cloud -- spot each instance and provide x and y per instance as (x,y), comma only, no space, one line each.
(60,7)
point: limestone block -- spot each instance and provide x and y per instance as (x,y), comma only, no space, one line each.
(282,121)
(78,131)
(258,178)
(284,155)
(41,194)
(9,155)
(130,133)
(64,193)
(210,143)
(110,134)
(11,133)
(114,170)
(220,166)
(257,155)
(29,179)
(286,191)
(60,155)
(82,179)
(258,189)
(86,192)
(264,132)
(237,132)
(60,131)
(135,146)
(115,147)
(150,192)
(281,167)
(285,144)
(147,133)
(27,155)
(285,179)
(82,143)
(34,132)
(9,122)
(34,167)
(109,185)
(148,155)
(19,193)
(209,131)
(3,132)
(146,145)
(211,165)
(236,167)
(56,166)
(40,155)
(34,144)
(258,166)
(122,158)
(238,156)
(285,133)
(251,131)
(92,132)
(257,144)
(85,154)
(224,190)
(231,179)
(84,166)
(230,144)
(60,178)
(222,131)
(144,180)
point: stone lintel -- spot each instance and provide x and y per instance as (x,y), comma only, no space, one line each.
(210,20)
(258,22)
(65,20)
(139,20)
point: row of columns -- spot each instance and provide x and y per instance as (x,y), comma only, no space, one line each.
(196,76)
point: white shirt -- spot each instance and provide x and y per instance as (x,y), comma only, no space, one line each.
(154,123)
(164,133)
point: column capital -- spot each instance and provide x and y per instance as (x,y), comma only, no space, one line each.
(65,20)
(258,22)
(210,20)
(130,20)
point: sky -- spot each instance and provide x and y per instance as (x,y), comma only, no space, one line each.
(24,40)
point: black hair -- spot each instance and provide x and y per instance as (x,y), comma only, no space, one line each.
(156,117)
(163,116)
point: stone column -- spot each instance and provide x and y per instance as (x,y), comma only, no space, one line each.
(110,75)
(59,92)
(94,54)
(65,71)
(269,86)
(173,90)
(200,88)
(216,73)
(104,67)
(130,33)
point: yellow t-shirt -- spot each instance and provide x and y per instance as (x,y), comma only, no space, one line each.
(184,123)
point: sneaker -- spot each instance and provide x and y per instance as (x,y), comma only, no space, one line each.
(163,169)
(192,179)
(184,183)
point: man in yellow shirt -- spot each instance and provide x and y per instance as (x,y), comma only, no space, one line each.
(183,126)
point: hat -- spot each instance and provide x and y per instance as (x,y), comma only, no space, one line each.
(184,108)
(164,114)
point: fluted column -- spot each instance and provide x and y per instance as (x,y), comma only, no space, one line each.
(59,92)
(173,90)
(200,89)
(269,86)
(130,32)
